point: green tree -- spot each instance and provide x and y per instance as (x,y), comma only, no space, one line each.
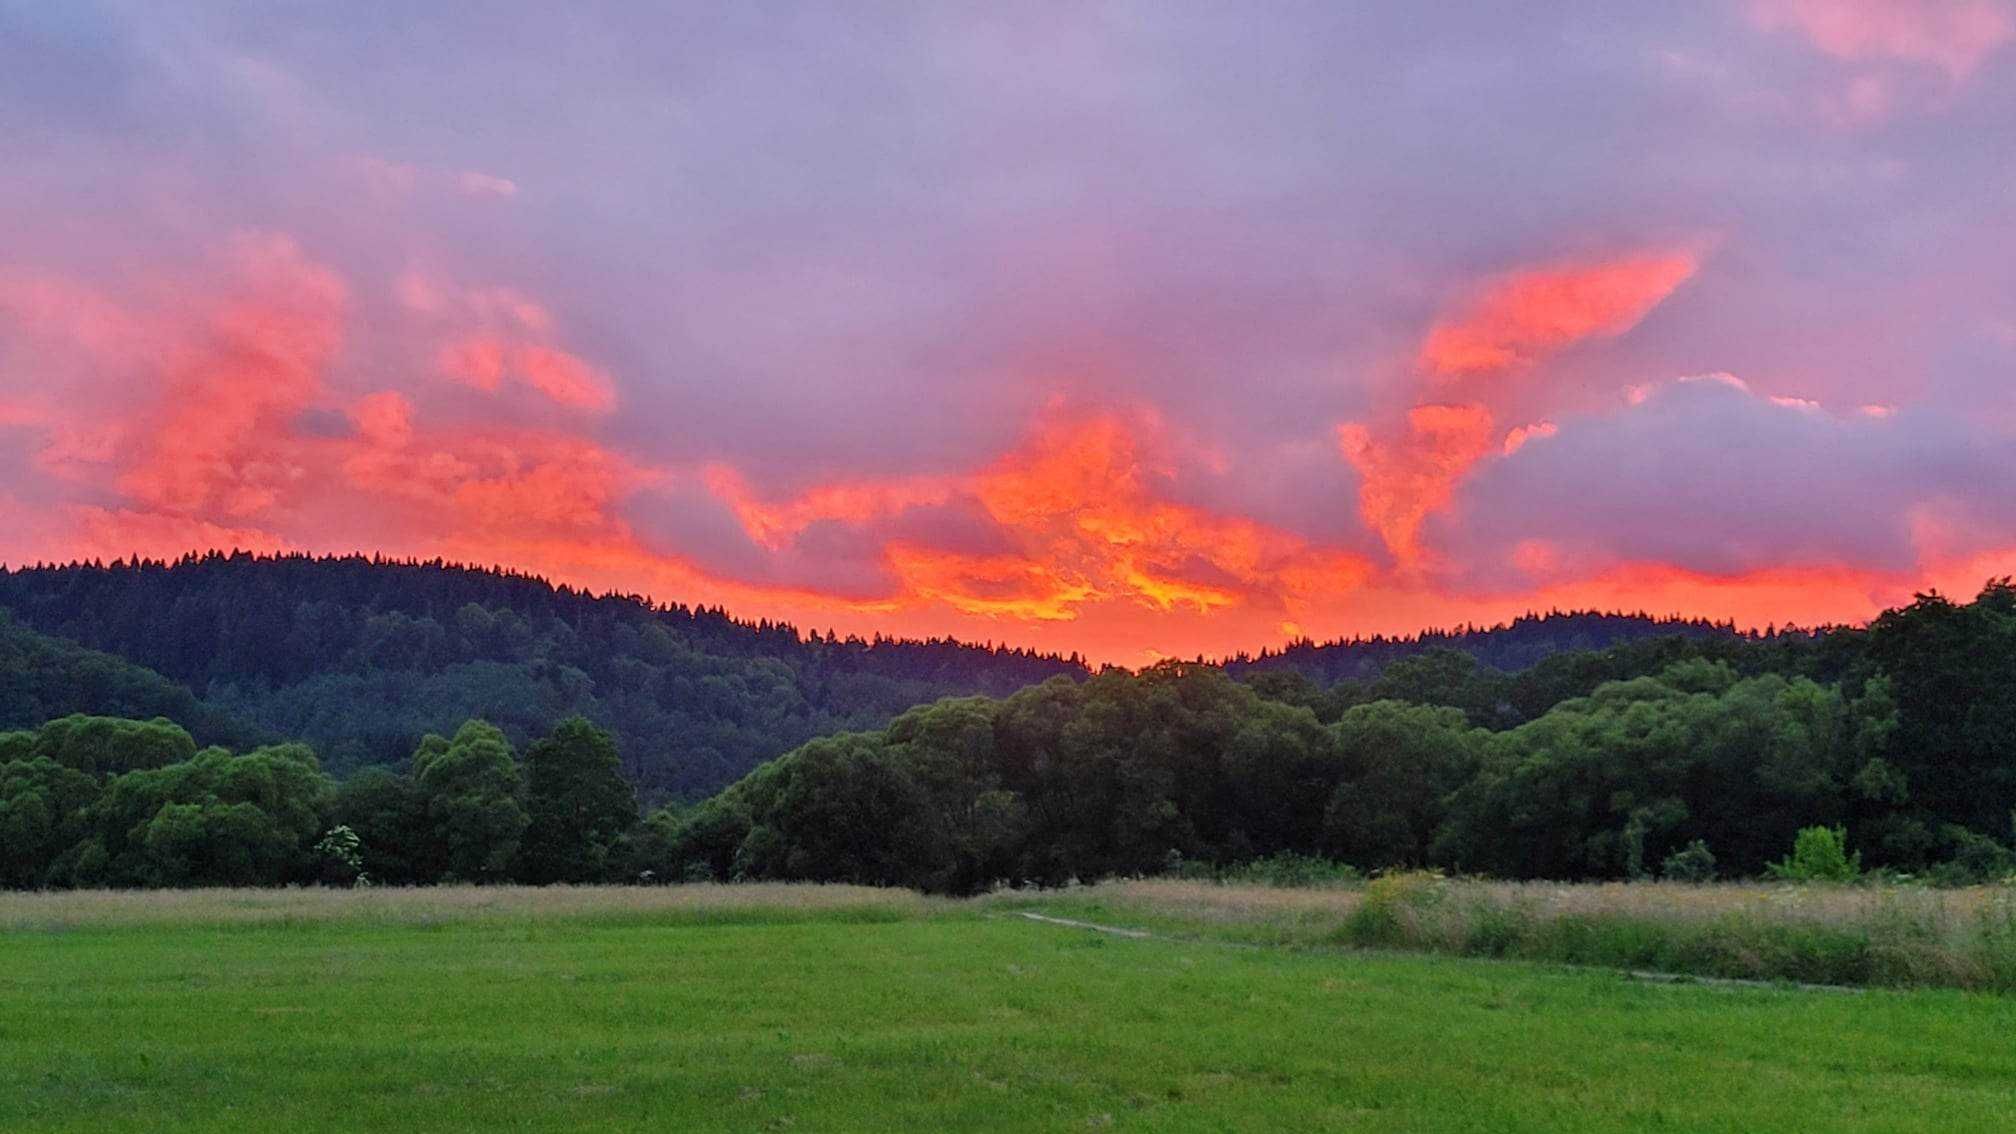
(109,746)
(579,806)
(1819,854)
(389,814)
(1692,863)
(215,819)
(1400,762)
(1951,670)
(470,788)
(42,814)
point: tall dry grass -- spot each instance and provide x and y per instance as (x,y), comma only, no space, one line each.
(77,909)
(1895,935)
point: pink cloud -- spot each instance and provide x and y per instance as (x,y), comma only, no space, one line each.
(227,399)
(1527,315)
(1412,472)
(1954,36)
(475,183)
(566,378)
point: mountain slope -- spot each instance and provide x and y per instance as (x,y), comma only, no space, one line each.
(42,678)
(361,657)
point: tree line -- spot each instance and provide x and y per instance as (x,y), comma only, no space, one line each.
(1678,757)
(362,657)
(105,802)
(1684,757)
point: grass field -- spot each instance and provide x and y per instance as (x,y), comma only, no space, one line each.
(1884,936)
(797,1008)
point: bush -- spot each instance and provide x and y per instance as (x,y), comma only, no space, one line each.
(1294,871)
(1693,863)
(1972,858)
(1819,854)
(1391,911)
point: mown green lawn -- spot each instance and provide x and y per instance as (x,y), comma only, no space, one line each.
(953,1020)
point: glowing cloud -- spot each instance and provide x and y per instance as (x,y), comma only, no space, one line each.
(217,443)
(1082,504)
(1411,475)
(1524,317)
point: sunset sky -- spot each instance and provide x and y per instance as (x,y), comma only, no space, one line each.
(1138,329)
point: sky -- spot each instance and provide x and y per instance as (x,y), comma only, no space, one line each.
(1140,329)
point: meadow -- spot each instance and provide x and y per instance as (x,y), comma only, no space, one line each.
(1899,936)
(833,1008)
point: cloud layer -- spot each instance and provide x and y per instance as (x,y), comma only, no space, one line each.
(1136,330)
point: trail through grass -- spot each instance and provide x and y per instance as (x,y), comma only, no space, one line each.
(883,1015)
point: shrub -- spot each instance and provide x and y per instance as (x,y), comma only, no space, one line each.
(1693,863)
(1819,854)
(1390,912)
(1295,871)
(1971,858)
(342,855)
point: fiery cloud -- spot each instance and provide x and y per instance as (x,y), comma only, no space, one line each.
(1522,318)
(1082,504)
(1413,473)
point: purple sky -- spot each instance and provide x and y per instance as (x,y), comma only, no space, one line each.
(1136,329)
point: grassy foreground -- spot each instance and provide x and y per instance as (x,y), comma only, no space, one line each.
(1886,936)
(722,1008)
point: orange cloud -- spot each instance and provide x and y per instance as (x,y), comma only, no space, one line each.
(1954,36)
(115,533)
(1518,436)
(483,362)
(1080,502)
(475,361)
(473,481)
(241,431)
(566,378)
(216,444)
(1408,476)
(511,339)
(1523,317)
(772,524)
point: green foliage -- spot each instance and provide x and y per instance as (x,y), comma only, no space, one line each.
(43,678)
(578,807)
(215,819)
(1819,854)
(1971,858)
(469,790)
(342,853)
(42,815)
(1691,863)
(1743,745)
(1293,871)
(388,812)
(1950,669)
(107,746)
(363,658)
(1398,763)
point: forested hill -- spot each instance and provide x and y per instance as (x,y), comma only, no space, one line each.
(362,657)
(43,678)
(1507,647)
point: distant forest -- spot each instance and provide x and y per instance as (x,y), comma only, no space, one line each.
(408,722)
(360,658)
